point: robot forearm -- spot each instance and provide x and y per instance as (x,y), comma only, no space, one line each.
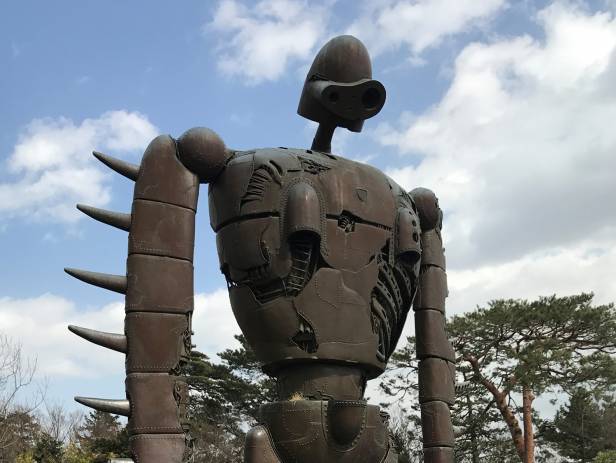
(158,288)
(436,366)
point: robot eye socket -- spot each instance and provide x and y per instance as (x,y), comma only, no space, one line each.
(371,98)
(334,97)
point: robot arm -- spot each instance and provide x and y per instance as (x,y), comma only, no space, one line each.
(159,289)
(435,353)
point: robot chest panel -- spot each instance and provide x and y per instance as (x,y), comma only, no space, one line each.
(257,184)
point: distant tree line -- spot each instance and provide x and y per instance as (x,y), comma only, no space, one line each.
(510,354)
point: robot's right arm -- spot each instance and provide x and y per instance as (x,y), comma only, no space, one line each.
(158,287)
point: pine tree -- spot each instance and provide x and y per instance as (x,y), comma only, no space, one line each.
(224,401)
(584,427)
(102,435)
(529,348)
(512,349)
(47,449)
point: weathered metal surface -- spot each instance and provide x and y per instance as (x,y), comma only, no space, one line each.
(323,258)
(436,368)
(115,219)
(116,283)
(111,341)
(115,406)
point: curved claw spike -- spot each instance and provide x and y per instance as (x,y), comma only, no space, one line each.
(115,219)
(127,169)
(117,407)
(111,341)
(115,283)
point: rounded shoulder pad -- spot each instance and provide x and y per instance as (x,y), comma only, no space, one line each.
(203,152)
(430,215)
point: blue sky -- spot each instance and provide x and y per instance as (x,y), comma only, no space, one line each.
(505,109)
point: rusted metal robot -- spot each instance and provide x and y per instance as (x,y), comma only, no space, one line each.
(323,257)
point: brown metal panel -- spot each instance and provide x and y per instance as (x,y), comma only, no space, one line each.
(408,234)
(162,177)
(258,447)
(248,244)
(352,250)
(432,249)
(439,455)
(159,284)
(269,328)
(360,190)
(251,184)
(436,381)
(156,341)
(329,305)
(320,382)
(346,419)
(431,337)
(157,402)
(436,425)
(158,448)
(303,431)
(428,209)
(303,210)
(161,229)
(432,290)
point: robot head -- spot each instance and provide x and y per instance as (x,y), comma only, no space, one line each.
(339,90)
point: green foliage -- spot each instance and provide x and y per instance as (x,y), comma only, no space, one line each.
(26,457)
(102,436)
(18,433)
(551,344)
(606,457)
(75,454)
(584,427)
(47,449)
(224,401)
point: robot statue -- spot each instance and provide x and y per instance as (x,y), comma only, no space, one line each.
(323,259)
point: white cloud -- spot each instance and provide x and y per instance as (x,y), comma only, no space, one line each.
(262,40)
(418,25)
(40,325)
(53,167)
(564,271)
(522,149)
(213,323)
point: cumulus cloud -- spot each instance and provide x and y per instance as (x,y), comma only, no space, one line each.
(521,148)
(40,325)
(262,40)
(418,25)
(51,166)
(564,271)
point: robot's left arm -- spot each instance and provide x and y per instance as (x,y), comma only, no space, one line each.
(434,351)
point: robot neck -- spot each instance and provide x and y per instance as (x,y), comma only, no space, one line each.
(323,138)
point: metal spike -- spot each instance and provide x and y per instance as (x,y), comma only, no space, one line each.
(115,219)
(117,407)
(115,283)
(111,341)
(121,167)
